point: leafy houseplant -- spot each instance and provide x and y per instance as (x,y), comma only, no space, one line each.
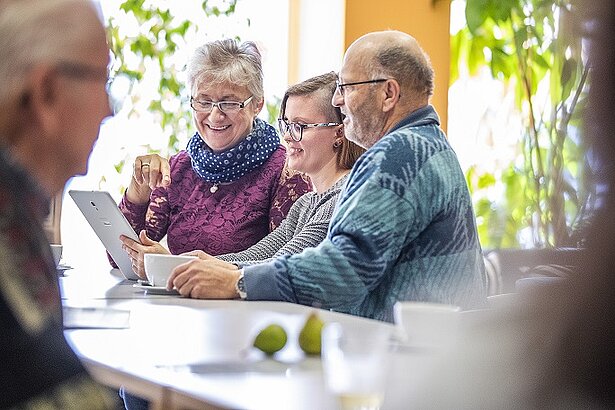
(530,45)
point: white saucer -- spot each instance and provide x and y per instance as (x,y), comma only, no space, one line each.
(154,290)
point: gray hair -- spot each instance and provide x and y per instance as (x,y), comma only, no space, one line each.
(227,61)
(33,32)
(412,70)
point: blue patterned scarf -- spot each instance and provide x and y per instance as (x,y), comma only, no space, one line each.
(232,164)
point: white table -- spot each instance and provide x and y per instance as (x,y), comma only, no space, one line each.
(180,352)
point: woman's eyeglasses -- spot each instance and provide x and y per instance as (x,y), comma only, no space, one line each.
(227,107)
(296,129)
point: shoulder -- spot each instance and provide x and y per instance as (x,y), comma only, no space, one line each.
(277,159)
(408,149)
(423,141)
(408,156)
(276,165)
(182,158)
(182,173)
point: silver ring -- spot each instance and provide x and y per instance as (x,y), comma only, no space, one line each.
(145,165)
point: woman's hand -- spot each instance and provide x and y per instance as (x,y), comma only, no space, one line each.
(205,279)
(137,250)
(200,255)
(150,171)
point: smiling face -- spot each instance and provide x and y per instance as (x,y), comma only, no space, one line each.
(361,103)
(222,131)
(314,154)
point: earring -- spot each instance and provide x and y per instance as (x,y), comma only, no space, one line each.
(337,144)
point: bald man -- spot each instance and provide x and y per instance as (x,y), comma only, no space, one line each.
(53,65)
(404,228)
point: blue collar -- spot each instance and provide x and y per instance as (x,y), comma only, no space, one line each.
(423,116)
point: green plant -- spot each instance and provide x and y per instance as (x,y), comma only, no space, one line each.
(530,45)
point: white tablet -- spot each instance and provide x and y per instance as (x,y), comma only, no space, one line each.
(103,215)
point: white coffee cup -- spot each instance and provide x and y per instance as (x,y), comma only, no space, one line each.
(158,267)
(427,324)
(56,251)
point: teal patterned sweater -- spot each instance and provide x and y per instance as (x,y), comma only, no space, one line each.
(404,229)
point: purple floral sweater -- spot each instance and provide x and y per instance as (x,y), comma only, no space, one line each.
(231,219)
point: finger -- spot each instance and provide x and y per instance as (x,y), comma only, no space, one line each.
(165,171)
(177,279)
(145,240)
(133,253)
(159,172)
(199,254)
(198,292)
(141,269)
(181,284)
(129,242)
(140,266)
(136,270)
(141,165)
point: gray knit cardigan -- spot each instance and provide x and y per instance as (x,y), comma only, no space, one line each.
(305,226)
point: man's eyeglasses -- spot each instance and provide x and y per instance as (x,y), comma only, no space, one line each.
(296,129)
(340,86)
(227,107)
(84,72)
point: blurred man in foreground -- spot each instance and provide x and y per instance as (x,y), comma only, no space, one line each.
(53,65)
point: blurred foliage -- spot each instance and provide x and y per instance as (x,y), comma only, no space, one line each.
(530,45)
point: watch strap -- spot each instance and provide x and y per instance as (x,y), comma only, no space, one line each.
(240,286)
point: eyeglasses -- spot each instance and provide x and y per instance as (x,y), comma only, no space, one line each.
(340,87)
(227,107)
(296,129)
(84,72)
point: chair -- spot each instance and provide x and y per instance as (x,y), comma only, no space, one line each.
(504,267)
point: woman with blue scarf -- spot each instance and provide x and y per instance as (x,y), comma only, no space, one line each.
(230,187)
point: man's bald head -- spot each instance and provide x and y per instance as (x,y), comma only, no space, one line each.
(53,97)
(394,54)
(35,31)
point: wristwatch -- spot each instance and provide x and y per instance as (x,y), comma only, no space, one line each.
(240,286)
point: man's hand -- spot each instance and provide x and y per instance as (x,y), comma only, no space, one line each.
(205,279)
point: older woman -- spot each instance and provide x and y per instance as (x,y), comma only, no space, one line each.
(229,188)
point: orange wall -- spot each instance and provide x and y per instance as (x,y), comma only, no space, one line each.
(427,20)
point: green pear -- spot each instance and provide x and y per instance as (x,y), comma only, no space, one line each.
(309,337)
(271,339)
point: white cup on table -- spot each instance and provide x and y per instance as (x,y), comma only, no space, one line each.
(355,364)
(423,324)
(159,267)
